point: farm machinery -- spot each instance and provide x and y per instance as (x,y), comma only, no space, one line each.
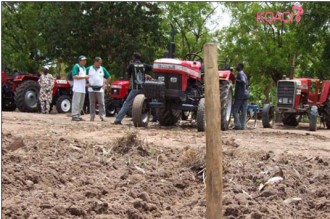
(22,91)
(115,98)
(178,89)
(297,97)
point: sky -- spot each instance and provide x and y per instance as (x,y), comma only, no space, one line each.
(220,19)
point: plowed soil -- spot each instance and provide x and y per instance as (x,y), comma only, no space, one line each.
(55,168)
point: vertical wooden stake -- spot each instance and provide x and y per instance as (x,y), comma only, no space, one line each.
(213,134)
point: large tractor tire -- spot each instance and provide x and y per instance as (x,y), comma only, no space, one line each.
(268,116)
(200,117)
(290,119)
(327,112)
(313,119)
(140,111)
(27,95)
(64,104)
(168,117)
(226,98)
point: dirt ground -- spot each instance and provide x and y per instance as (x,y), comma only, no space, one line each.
(55,168)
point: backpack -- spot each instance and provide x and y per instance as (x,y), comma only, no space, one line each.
(70,78)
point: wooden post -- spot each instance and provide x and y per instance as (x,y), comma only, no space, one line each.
(213,134)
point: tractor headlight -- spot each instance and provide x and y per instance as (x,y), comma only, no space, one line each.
(290,101)
(280,100)
(161,78)
(173,79)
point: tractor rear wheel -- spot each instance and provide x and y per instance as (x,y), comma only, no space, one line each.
(226,98)
(27,95)
(327,112)
(268,116)
(140,111)
(168,117)
(63,104)
(200,117)
(290,119)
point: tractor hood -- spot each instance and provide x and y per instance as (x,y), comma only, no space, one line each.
(166,65)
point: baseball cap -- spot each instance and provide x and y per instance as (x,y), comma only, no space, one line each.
(82,58)
(46,67)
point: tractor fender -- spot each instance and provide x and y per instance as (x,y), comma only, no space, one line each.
(20,78)
(325,91)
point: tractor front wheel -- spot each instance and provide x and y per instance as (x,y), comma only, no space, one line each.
(110,108)
(63,104)
(8,105)
(313,119)
(185,115)
(268,116)
(200,117)
(27,95)
(290,119)
(140,111)
(168,117)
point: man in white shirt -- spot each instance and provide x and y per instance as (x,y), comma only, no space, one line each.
(96,75)
(79,88)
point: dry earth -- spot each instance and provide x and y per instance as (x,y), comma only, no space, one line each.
(55,168)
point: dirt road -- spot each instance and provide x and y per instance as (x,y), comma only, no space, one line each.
(55,168)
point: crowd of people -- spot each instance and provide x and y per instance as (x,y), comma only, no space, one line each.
(95,79)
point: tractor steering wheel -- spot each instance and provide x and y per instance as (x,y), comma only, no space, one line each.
(193,57)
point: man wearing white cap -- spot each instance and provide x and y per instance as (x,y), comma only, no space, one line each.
(46,82)
(79,88)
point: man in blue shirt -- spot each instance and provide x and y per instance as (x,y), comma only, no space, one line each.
(241,98)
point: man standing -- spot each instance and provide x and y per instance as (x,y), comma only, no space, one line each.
(241,98)
(79,86)
(96,87)
(46,82)
(136,80)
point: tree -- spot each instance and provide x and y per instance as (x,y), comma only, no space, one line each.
(267,48)
(189,20)
(39,32)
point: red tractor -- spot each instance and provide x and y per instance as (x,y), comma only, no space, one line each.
(62,95)
(22,91)
(178,89)
(297,97)
(114,100)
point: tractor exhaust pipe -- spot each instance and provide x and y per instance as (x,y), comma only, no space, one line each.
(171,46)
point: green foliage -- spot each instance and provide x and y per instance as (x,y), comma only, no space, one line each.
(189,20)
(267,48)
(35,33)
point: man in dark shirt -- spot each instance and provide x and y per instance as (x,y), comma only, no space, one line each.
(241,98)
(136,81)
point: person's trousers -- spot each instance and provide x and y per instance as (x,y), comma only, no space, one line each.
(78,100)
(127,105)
(99,96)
(240,105)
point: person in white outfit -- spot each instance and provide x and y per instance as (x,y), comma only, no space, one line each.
(79,88)
(96,86)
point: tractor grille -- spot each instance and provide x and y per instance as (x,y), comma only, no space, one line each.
(172,81)
(286,91)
